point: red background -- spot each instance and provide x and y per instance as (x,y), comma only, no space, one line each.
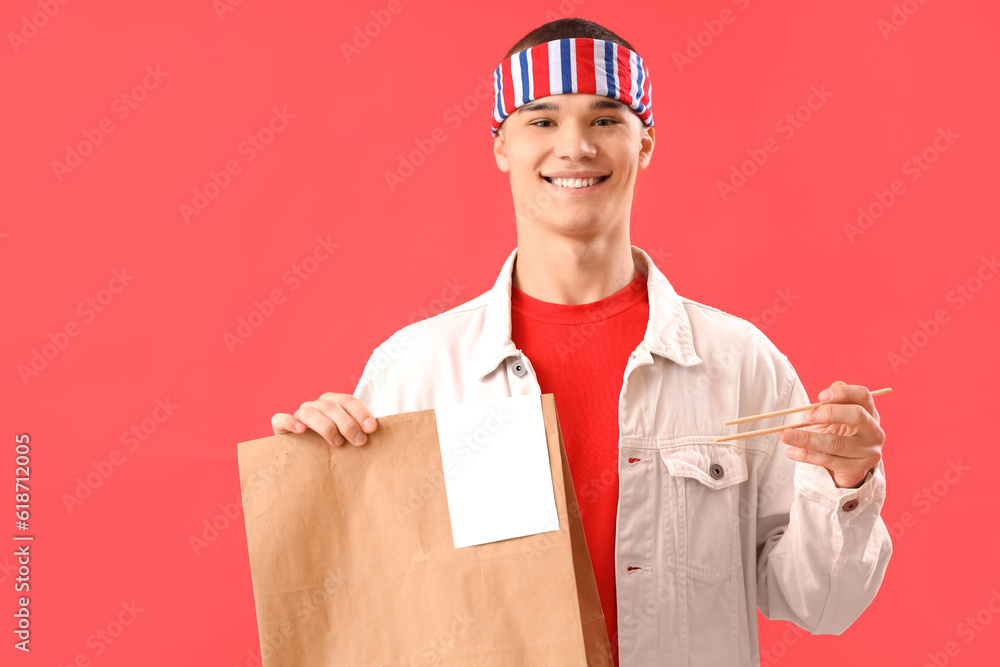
(63,235)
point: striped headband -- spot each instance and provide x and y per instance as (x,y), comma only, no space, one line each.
(573,65)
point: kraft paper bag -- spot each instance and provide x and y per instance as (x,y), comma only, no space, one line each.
(352,559)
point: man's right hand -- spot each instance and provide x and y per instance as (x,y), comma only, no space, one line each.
(336,417)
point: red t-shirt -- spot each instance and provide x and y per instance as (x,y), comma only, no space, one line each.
(579,353)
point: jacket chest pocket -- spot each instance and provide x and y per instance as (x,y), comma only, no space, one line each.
(701,492)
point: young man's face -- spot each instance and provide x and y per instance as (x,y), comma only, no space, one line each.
(577,136)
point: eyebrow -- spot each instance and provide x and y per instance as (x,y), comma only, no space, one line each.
(552,106)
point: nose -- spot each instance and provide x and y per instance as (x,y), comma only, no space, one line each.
(573,141)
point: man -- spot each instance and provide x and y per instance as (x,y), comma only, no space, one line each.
(688,537)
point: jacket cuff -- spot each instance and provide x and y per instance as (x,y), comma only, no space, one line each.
(815,483)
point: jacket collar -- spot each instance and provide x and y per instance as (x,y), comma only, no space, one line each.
(668,332)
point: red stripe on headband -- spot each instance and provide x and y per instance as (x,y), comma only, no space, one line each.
(585,79)
(624,75)
(508,87)
(540,70)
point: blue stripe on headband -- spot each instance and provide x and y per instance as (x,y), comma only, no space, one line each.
(567,66)
(525,84)
(609,66)
(498,83)
(638,98)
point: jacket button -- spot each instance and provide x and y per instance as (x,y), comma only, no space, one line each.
(716,471)
(519,368)
(849,505)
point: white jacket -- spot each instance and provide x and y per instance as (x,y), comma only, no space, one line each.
(707,532)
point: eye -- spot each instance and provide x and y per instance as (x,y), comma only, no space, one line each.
(610,121)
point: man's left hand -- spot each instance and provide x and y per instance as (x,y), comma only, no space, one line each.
(844,435)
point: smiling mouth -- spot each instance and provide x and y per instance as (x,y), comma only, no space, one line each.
(577,183)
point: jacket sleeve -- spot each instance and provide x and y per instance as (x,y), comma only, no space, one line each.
(369,389)
(385,387)
(820,558)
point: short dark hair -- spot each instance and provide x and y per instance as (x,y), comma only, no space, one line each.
(564,29)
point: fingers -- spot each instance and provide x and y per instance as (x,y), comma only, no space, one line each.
(845,470)
(840,429)
(321,417)
(286,423)
(851,414)
(362,417)
(822,446)
(841,392)
(338,418)
(844,435)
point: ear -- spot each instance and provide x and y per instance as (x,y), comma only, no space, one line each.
(646,141)
(500,150)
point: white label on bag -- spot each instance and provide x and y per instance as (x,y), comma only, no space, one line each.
(496,469)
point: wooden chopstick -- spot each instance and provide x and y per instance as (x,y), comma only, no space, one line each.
(778,413)
(762,431)
(788,411)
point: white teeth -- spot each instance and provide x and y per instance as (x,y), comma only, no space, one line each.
(575,182)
